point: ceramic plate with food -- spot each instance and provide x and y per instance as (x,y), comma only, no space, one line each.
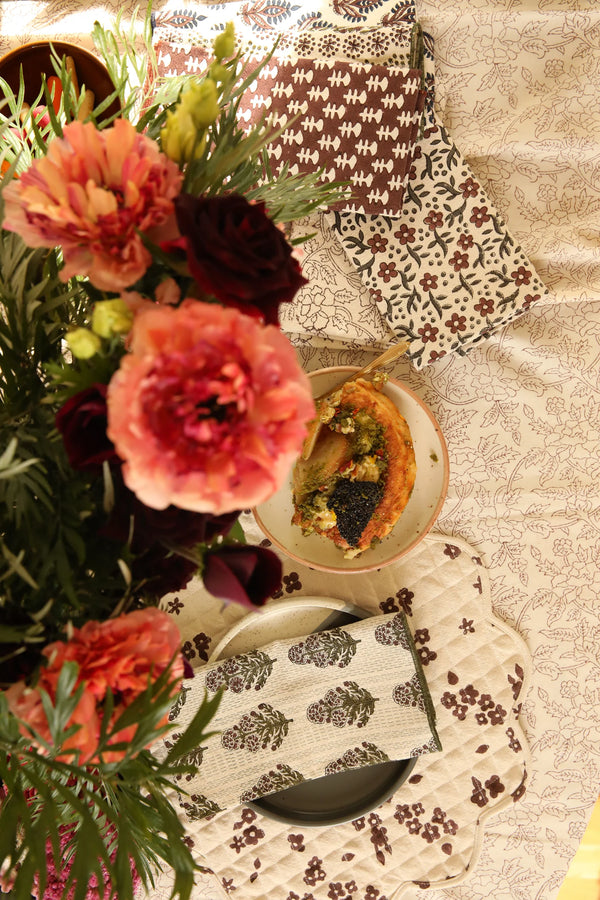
(381,467)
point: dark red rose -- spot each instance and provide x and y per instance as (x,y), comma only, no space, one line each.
(236,253)
(162,572)
(82,424)
(131,520)
(242,573)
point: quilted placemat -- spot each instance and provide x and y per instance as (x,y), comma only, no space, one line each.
(302,707)
(429,833)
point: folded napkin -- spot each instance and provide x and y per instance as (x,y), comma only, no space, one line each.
(447,272)
(355,122)
(303,708)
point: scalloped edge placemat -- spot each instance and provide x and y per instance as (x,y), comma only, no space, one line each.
(429,833)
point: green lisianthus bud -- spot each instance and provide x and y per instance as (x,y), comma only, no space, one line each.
(111,317)
(83,343)
(224,43)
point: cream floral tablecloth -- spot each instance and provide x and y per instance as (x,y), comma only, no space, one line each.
(517,84)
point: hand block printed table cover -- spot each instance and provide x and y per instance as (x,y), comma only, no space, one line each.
(304,707)
(430,831)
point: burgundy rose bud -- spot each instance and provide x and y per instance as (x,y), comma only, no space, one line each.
(237,254)
(242,573)
(82,423)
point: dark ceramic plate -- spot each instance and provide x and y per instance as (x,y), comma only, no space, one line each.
(334,798)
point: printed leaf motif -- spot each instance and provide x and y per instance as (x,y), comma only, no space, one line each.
(277,779)
(366,755)
(343,705)
(198,806)
(240,673)
(326,648)
(409,694)
(257,730)
(392,633)
(179,703)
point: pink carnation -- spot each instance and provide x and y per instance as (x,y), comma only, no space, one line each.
(208,410)
(121,654)
(89,195)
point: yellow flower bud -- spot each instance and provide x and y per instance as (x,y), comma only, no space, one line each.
(224,43)
(182,137)
(111,317)
(83,343)
(201,101)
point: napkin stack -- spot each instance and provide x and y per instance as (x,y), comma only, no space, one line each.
(303,708)
(424,257)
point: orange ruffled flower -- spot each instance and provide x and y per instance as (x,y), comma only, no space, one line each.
(89,195)
(121,654)
(208,410)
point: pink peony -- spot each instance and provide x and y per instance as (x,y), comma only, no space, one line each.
(121,654)
(90,195)
(208,410)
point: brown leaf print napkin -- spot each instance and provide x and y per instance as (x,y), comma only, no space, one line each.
(303,708)
(357,123)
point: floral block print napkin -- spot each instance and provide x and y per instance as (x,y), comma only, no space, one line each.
(178,21)
(300,709)
(388,44)
(447,272)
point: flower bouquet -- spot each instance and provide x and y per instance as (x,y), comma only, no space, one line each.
(148,396)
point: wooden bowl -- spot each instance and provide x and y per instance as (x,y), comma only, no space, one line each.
(35,59)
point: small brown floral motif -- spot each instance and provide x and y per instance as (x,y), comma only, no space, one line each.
(405,234)
(314,872)
(387,271)
(452,551)
(429,282)
(296,842)
(466,626)
(485,306)
(469,188)
(434,219)
(456,323)
(479,216)
(428,332)
(377,243)
(402,601)
(513,741)
(516,681)
(379,837)
(175,606)
(521,276)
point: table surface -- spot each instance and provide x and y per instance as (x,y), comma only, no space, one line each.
(517,85)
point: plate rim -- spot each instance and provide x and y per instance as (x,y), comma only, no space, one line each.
(332,603)
(371,567)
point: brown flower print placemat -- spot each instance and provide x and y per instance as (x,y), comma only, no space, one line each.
(304,707)
(429,833)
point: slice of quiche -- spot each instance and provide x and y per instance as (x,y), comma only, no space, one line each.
(360,474)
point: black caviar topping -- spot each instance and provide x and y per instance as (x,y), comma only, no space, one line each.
(353,503)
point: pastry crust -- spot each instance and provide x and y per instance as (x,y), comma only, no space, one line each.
(360,414)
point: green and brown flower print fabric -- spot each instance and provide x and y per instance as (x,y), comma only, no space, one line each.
(306,707)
